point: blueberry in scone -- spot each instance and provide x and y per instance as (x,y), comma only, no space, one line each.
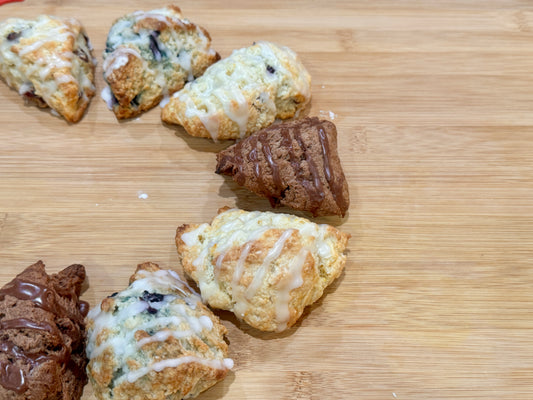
(155,340)
(49,62)
(149,56)
(242,93)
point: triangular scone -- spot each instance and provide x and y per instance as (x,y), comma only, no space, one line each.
(264,267)
(49,62)
(42,349)
(242,93)
(154,340)
(294,164)
(150,55)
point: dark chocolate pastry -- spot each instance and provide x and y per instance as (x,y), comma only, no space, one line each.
(293,164)
(42,335)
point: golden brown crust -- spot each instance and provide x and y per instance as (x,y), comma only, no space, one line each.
(254,86)
(49,61)
(264,267)
(151,55)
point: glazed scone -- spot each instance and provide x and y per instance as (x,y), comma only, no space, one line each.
(262,266)
(42,330)
(242,94)
(154,340)
(149,56)
(295,164)
(49,62)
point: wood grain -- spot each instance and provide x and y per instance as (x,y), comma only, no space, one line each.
(433,103)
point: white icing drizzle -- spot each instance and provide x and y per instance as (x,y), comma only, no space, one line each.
(132,376)
(235,106)
(64,78)
(107,96)
(184,59)
(272,255)
(241,303)
(294,280)
(118,59)
(54,35)
(164,101)
(163,335)
(25,87)
(161,15)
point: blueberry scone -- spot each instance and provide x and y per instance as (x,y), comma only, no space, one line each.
(155,340)
(242,94)
(49,62)
(150,55)
(294,164)
(264,267)
(42,335)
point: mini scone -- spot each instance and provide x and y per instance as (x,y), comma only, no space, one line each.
(294,164)
(242,94)
(262,266)
(42,331)
(49,62)
(154,340)
(150,55)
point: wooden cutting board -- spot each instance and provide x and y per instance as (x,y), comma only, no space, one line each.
(433,102)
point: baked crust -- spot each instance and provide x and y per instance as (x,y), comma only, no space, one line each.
(294,164)
(264,267)
(242,94)
(150,55)
(42,347)
(155,339)
(49,62)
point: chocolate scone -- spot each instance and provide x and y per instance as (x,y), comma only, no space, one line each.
(294,164)
(42,335)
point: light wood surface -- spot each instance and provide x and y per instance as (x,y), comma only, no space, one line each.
(433,101)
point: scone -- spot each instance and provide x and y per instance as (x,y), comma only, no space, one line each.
(262,266)
(155,340)
(150,55)
(294,164)
(42,346)
(49,62)
(242,94)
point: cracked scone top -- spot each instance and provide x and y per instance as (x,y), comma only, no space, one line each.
(154,340)
(49,62)
(242,94)
(150,55)
(262,266)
